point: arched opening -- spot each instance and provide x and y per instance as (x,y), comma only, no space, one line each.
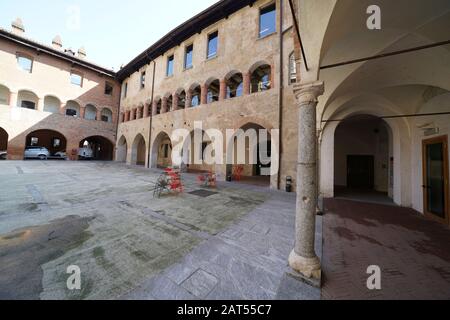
(138,151)
(51,140)
(52,104)
(4,95)
(3,144)
(261,78)
(363,158)
(72,109)
(158,106)
(90,112)
(194,151)
(122,149)
(213,89)
(235,85)
(27,100)
(292,68)
(169,103)
(98,148)
(181,102)
(107,115)
(249,155)
(195,95)
(161,155)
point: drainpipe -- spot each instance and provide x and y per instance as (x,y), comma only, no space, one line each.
(118,121)
(151,117)
(280,97)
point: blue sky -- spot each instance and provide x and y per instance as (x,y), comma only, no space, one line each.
(112,31)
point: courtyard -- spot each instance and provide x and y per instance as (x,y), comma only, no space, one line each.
(229,242)
(101,216)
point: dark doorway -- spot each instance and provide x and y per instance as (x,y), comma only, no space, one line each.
(102,148)
(3,140)
(360,172)
(435,176)
(52,140)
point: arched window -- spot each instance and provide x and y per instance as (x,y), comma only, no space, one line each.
(261,78)
(90,113)
(106,115)
(181,102)
(213,91)
(235,85)
(72,109)
(292,69)
(195,96)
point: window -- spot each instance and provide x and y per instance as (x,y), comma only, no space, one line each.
(213,40)
(292,69)
(28,105)
(76,79)
(71,112)
(267,21)
(125,90)
(24,63)
(105,118)
(34,141)
(170,61)
(166,151)
(56,143)
(142,81)
(108,89)
(188,56)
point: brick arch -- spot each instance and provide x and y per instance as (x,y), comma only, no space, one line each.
(258,64)
(139,150)
(155,144)
(231,73)
(122,149)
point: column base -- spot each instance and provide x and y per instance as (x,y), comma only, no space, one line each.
(308,268)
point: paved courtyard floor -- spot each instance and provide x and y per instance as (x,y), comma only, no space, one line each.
(412,252)
(102,217)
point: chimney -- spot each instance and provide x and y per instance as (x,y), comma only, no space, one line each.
(17,27)
(57,43)
(82,53)
(69,51)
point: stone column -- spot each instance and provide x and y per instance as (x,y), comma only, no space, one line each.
(40,105)
(303,258)
(246,81)
(272,76)
(175,102)
(62,109)
(204,94)
(82,112)
(223,90)
(187,104)
(154,108)
(99,115)
(164,105)
(146,107)
(121,117)
(13,99)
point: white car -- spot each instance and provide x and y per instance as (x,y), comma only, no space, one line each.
(86,153)
(36,153)
(61,154)
(3,155)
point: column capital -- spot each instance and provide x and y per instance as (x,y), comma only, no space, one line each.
(309,92)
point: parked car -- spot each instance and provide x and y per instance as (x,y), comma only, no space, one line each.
(3,155)
(36,153)
(86,153)
(61,155)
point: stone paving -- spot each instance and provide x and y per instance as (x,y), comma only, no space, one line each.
(412,252)
(103,218)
